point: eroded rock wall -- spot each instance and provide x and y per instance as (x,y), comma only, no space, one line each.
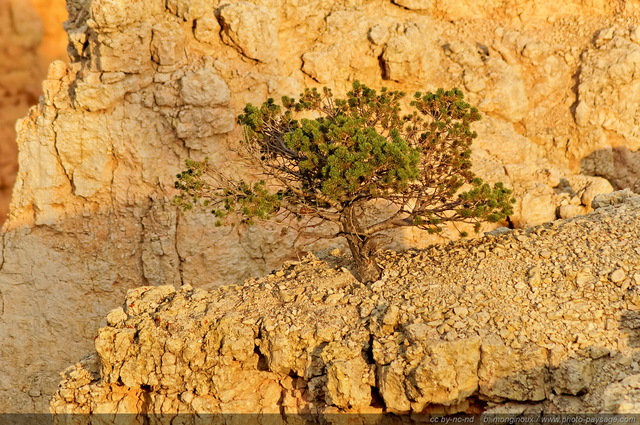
(434,335)
(152,83)
(31,36)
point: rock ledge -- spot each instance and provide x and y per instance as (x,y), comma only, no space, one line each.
(542,319)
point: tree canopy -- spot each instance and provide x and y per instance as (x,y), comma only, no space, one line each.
(360,165)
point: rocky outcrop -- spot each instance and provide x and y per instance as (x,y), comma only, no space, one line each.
(606,115)
(433,335)
(31,36)
(152,83)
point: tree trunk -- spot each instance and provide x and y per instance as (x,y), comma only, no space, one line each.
(363,251)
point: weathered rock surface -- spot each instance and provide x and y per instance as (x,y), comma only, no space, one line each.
(433,335)
(606,114)
(31,36)
(152,83)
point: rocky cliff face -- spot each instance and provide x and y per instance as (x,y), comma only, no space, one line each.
(434,335)
(152,83)
(31,36)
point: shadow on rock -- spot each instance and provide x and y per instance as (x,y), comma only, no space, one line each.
(619,165)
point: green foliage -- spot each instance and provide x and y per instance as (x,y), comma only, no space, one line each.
(342,154)
(355,151)
(250,201)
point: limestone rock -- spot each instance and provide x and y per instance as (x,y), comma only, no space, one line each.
(198,123)
(537,206)
(188,10)
(409,54)
(124,51)
(431,334)
(568,211)
(347,384)
(519,376)
(253,29)
(167,45)
(339,48)
(91,214)
(497,83)
(114,13)
(612,198)
(623,397)
(207,29)
(605,112)
(204,88)
(573,377)
(594,189)
(94,95)
(392,387)
(447,374)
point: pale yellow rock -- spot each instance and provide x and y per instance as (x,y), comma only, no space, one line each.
(514,375)
(623,397)
(189,9)
(392,387)
(446,375)
(93,95)
(499,88)
(507,97)
(207,29)
(605,112)
(199,123)
(339,49)
(124,51)
(317,64)
(204,88)
(345,384)
(537,207)
(595,188)
(167,46)
(116,316)
(410,54)
(91,213)
(116,13)
(568,211)
(244,349)
(253,29)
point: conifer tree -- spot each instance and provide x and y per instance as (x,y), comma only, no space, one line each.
(358,154)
